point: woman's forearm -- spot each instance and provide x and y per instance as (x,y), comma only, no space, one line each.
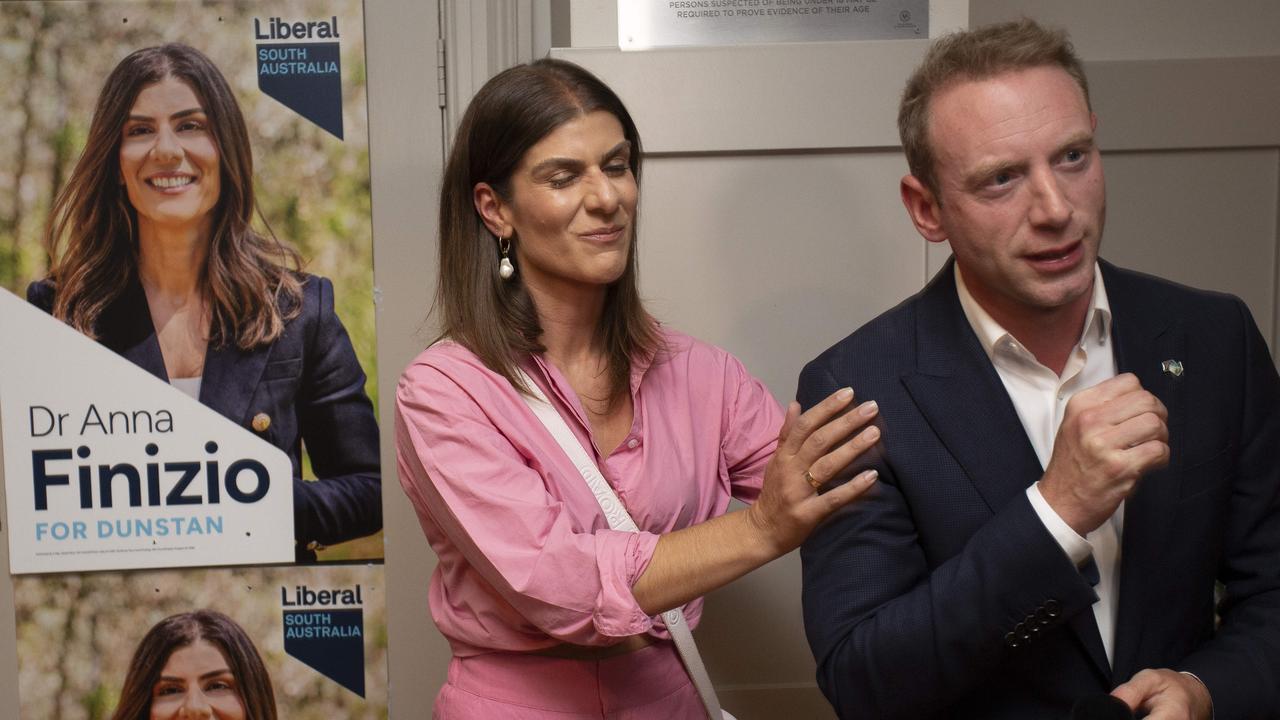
(691,562)
(812,449)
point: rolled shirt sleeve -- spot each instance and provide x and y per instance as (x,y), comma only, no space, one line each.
(486,509)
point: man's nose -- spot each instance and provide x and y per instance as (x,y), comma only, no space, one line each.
(1050,206)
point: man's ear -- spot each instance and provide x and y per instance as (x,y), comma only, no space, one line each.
(923,207)
(491,209)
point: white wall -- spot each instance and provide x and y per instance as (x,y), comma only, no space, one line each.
(1149,29)
(406,132)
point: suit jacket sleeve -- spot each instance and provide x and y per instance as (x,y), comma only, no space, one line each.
(340,434)
(894,638)
(1241,664)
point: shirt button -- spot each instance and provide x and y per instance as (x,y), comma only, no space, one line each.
(632,443)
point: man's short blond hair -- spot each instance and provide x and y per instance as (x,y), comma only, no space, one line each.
(976,54)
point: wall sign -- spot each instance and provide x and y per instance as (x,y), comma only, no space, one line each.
(643,24)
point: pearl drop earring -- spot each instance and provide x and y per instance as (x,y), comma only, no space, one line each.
(505,269)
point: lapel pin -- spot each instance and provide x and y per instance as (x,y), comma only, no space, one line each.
(1172,367)
(261,422)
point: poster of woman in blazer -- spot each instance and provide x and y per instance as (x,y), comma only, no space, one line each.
(158,246)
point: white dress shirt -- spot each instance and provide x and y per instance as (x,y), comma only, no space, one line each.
(190,385)
(1040,396)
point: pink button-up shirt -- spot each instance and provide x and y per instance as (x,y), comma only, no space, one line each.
(526,557)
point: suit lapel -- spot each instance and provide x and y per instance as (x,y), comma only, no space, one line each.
(1144,338)
(964,401)
(125,327)
(230,377)
(230,374)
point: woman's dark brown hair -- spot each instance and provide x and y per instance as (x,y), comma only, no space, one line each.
(496,319)
(179,631)
(92,236)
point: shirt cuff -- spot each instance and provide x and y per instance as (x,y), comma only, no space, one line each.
(1206,690)
(1076,547)
(621,557)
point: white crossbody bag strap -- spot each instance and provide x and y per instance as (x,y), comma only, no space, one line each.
(620,519)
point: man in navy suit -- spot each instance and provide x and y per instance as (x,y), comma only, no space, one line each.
(1074,456)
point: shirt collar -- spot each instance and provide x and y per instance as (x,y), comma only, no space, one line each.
(993,337)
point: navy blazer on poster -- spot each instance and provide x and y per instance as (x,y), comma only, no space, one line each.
(308,382)
(942,595)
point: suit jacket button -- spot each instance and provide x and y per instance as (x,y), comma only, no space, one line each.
(1052,608)
(261,422)
(1011,640)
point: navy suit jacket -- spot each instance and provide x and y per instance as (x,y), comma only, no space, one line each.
(942,595)
(308,382)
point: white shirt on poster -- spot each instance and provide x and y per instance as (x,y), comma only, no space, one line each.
(188,385)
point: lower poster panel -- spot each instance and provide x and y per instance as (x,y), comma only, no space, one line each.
(88,643)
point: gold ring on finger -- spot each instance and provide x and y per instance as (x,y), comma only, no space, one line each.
(814,482)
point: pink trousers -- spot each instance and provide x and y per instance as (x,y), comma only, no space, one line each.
(647,684)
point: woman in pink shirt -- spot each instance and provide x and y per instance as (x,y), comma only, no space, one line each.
(549,612)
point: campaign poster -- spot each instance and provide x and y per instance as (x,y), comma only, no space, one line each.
(308,641)
(107,224)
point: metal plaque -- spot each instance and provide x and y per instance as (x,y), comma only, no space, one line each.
(644,24)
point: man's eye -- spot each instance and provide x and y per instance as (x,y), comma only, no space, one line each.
(1002,178)
(1073,156)
(616,170)
(560,180)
